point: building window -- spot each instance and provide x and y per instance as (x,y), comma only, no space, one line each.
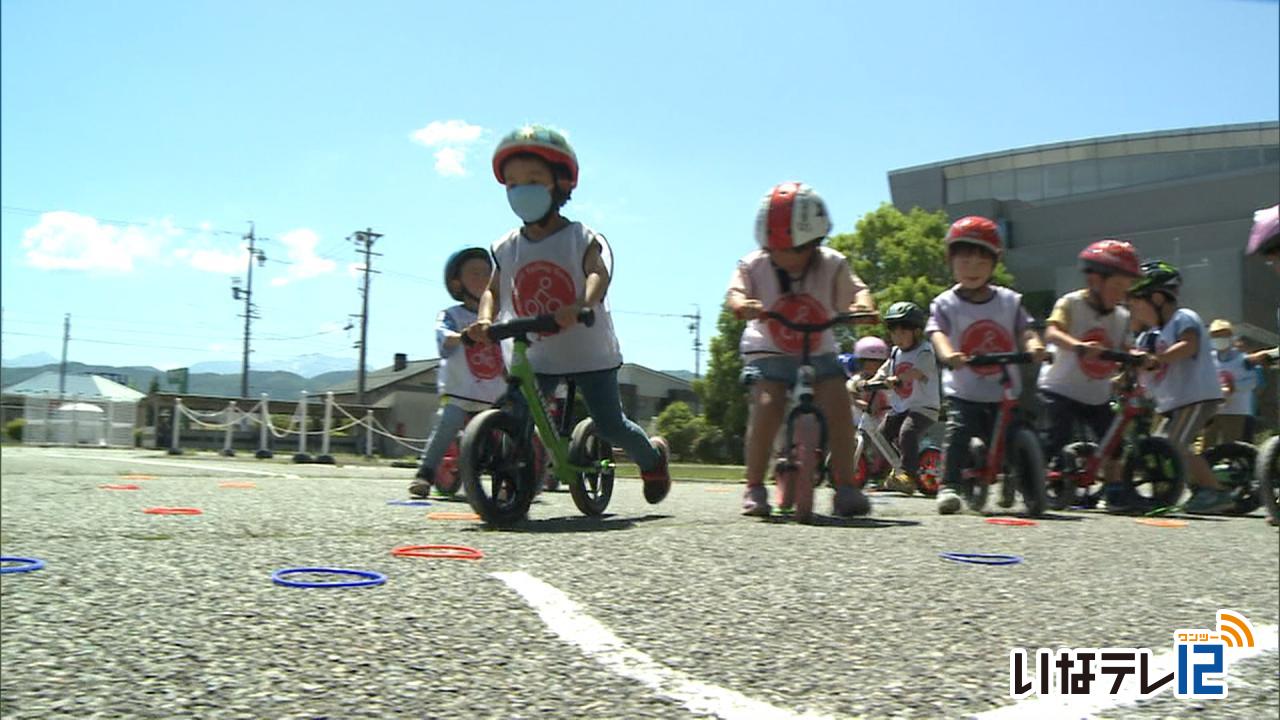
(1113,172)
(1057,180)
(1002,185)
(977,187)
(955,190)
(1207,162)
(1084,176)
(1242,158)
(1030,183)
(1271,156)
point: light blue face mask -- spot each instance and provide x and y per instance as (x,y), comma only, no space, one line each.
(530,202)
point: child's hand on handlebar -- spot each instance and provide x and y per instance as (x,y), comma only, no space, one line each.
(1090,348)
(567,315)
(1037,354)
(748,309)
(956,360)
(478,332)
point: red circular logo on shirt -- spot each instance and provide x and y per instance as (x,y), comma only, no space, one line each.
(484,361)
(1227,380)
(1097,368)
(983,338)
(905,387)
(542,287)
(799,309)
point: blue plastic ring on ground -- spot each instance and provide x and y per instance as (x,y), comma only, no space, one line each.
(408,502)
(368,577)
(981,558)
(29,564)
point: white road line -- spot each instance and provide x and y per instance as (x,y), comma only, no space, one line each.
(567,619)
(1083,706)
(166,463)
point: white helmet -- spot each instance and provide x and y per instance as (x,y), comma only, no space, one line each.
(792,214)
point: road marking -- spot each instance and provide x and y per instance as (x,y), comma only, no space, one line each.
(166,463)
(1084,706)
(567,619)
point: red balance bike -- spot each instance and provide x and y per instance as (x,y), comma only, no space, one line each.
(1152,466)
(1012,456)
(802,463)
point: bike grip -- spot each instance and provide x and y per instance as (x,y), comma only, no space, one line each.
(873,386)
(1123,358)
(1011,358)
(466,340)
(587,316)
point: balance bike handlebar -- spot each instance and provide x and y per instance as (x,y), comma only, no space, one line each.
(537,324)
(1012,358)
(859,318)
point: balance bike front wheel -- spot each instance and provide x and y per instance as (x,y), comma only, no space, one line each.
(929,471)
(591,490)
(497,468)
(1024,468)
(1234,465)
(807,456)
(1153,469)
(1268,478)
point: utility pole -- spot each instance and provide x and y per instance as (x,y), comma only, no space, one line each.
(250,309)
(62,369)
(366,238)
(696,328)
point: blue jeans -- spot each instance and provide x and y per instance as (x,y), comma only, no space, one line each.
(599,391)
(450,419)
(966,419)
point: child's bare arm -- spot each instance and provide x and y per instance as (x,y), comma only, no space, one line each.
(738,299)
(1187,345)
(1067,341)
(1031,343)
(485,312)
(596,285)
(947,354)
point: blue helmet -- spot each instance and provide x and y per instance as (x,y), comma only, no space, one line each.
(849,362)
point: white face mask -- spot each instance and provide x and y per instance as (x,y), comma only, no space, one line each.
(1222,343)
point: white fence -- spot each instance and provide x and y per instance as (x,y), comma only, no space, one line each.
(232,416)
(76,421)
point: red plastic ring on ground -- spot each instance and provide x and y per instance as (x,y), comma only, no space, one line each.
(173,511)
(442,552)
(1020,522)
(119,487)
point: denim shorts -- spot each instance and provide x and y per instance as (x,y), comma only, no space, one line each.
(782,368)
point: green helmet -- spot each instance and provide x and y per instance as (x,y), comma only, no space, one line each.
(1157,276)
(904,313)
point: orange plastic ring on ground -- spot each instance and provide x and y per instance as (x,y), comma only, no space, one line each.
(239,485)
(719,490)
(445,515)
(137,477)
(1020,522)
(119,487)
(442,552)
(173,511)
(1162,522)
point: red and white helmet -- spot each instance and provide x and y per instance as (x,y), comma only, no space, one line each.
(1110,257)
(975,230)
(792,214)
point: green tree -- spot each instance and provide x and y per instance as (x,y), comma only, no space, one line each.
(724,401)
(902,256)
(677,424)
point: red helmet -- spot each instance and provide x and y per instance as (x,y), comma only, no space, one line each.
(1110,257)
(544,142)
(975,230)
(792,214)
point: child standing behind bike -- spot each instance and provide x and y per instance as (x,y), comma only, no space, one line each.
(1238,380)
(974,317)
(912,373)
(1182,377)
(469,379)
(1076,388)
(552,265)
(793,275)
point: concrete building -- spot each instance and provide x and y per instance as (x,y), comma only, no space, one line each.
(1186,196)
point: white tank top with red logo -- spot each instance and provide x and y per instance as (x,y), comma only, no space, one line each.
(469,372)
(542,276)
(979,329)
(811,299)
(1084,379)
(920,396)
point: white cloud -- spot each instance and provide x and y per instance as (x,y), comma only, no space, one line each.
(70,241)
(449,132)
(216,261)
(450,138)
(300,248)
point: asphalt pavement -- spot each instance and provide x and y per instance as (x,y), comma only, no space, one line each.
(679,610)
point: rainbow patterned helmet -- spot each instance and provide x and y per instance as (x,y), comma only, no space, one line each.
(538,140)
(975,230)
(792,214)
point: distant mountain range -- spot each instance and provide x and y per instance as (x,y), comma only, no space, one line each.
(277,384)
(307,366)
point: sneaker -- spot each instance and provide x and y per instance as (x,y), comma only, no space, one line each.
(755,501)
(421,485)
(899,481)
(849,501)
(1122,500)
(657,482)
(1209,501)
(949,501)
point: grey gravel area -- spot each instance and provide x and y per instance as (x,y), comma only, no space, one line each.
(151,616)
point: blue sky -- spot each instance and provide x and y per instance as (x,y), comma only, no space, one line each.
(138,138)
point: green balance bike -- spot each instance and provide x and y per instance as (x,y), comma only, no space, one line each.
(497,458)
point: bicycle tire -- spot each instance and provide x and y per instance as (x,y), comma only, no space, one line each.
(591,491)
(1267,471)
(975,491)
(807,456)
(929,472)
(1064,491)
(1024,467)
(1154,470)
(861,472)
(493,446)
(1241,477)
